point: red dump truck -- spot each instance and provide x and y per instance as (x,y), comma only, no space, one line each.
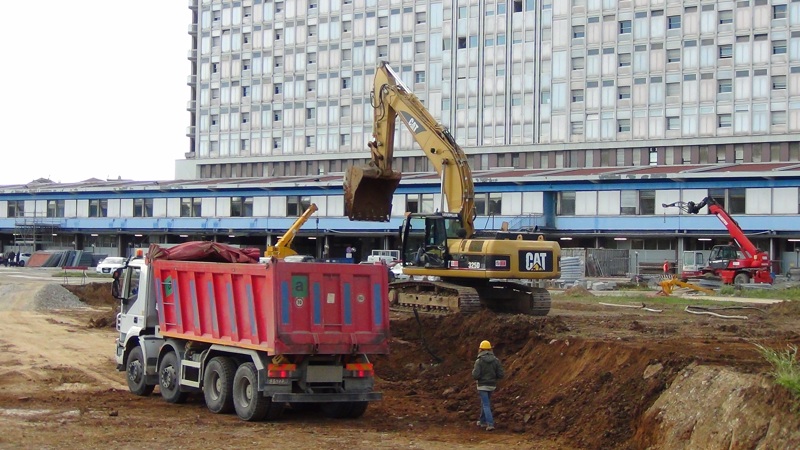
(251,337)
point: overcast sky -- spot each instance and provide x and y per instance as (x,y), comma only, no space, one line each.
(93,89)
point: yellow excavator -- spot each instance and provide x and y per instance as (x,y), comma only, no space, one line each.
(283,247)
(452,267)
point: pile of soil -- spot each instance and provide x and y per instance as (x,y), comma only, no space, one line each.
(97,295)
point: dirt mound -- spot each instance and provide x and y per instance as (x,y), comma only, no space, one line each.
(577,291)
(97,295)
(588,392)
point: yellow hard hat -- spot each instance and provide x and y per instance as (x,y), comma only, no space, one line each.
(486,345)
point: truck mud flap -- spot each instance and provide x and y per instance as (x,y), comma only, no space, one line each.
(323,398)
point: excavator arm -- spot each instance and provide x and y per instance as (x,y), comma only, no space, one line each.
(283,247)
(369,190)
(736,232)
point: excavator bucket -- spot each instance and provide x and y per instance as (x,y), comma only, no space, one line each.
(368,195)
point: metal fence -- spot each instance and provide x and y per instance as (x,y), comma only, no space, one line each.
(602,262)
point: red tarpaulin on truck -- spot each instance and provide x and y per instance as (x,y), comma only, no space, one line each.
(204,251)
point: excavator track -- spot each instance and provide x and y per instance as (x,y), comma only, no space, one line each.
(439,297)
(433,297)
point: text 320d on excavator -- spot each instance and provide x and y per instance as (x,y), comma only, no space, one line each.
(472,270)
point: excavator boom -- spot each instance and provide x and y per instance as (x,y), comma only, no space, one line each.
(283,247)
(368,190)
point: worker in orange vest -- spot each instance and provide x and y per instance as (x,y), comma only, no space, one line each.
(666,267)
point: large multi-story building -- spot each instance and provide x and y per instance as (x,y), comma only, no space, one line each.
(283,87)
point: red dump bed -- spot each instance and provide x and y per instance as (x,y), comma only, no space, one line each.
(280,308)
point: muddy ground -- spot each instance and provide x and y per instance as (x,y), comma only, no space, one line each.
(588,376)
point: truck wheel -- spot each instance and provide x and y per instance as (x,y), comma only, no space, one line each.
(168,379)
(218,385)
(337,410)
(358,410)
(250,405)
(134,371)
(741,278)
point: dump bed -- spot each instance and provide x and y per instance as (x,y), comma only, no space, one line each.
(279,307)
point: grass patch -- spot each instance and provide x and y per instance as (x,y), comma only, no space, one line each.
(777,294)
(785,367)
(650,300)
(80,274)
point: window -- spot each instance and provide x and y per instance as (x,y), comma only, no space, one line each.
(311,141)
(143,207)
(724,120)
(312,58)
(778,11)
(625,27)
(624,59)
(419,47)
(674,55)
(624,93)
(778,47)
(217,16)
(576,128)
(673,22)
(673,123)
(383,22)
(725,17)
(724,86)
(383,51)
(778,117)
(279,88)
(545,97)
(276,143)
(473,41)
(241,206)
(347,54)
(311,85)
(566,203)
(578,63)
(629,203)
(245,91)
(673,89)
(420,17)
(344,139)
(277,115)
(347,26)
(462,12)
(245,38)
(344,111)
(55,208)
(647,199)
(214,119)
(16,208)
(624,125)
(577,95)
(245,64)
(312,4)
(346,83)
(278,7)
(779,82)
(578,31)
(247,11)
(245,117)
(98,208)
(419,76)
(311,113)
(312,31)
(214,67)
(726,51)
(296,205)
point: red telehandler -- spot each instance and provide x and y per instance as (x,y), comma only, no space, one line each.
(737,263)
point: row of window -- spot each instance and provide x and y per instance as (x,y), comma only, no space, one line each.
(675,22)
(631,202)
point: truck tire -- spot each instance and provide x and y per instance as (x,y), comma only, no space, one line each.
(250,405)
(741,278)
(218,384)
(168,379)
(344,410)
(135,373)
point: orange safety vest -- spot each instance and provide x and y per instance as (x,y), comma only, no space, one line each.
(666,266)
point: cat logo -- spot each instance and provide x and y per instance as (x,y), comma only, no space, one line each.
(535,261)
(413,124)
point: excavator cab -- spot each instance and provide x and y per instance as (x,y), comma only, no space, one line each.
(368,194)
(431,249)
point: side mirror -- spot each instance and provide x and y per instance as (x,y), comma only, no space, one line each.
(115,283)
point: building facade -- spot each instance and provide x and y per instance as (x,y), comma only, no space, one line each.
(282,88)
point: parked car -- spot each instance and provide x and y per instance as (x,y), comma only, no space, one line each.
(22,259)
(110,264)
